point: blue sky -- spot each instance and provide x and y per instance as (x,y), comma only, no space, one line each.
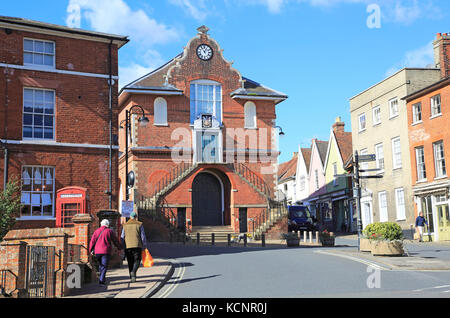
(319,52)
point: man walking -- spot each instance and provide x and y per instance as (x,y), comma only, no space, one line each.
(420,223)
(134,239)
(101,247)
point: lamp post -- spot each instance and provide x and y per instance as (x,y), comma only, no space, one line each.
(143,121)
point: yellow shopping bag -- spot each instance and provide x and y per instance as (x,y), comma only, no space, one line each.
(147,259)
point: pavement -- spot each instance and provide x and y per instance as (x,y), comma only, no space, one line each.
(149,281)
(426,256)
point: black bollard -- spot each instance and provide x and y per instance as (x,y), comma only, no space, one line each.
(198,238)
(212,238)
(229,239)
(263,240)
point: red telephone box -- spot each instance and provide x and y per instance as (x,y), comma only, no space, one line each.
(70,201)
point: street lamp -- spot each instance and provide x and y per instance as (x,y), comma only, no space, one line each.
(281,131)
(143,121)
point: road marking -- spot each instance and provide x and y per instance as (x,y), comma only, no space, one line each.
(376,266)
(181,269)
(436,287)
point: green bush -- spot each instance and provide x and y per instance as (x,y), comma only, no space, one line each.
(9,207)
(387,230)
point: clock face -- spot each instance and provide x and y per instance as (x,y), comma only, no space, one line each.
(204,52)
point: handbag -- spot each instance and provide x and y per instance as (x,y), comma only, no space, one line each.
(147,259)
(93,246)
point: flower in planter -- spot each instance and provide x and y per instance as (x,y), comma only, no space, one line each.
(326,235)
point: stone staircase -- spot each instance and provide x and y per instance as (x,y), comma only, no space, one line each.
(205,232)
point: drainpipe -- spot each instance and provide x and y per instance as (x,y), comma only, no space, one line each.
(4,144)
(110,84)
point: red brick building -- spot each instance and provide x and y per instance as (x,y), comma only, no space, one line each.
(57,107)
(208,155)
(429,138)
(58,129)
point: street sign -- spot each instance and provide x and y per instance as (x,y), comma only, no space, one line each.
(370,170)
(371,177)
(127,208)
(367,158)
(344,175)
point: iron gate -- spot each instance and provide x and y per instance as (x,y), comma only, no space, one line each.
(40,281)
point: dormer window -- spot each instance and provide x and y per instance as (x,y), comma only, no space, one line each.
(206,98)
(39,53)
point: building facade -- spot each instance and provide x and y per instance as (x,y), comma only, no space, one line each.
(208,157)
(339,215)
(287,185)
(59,95)
(380,126)
(302,175)
(429,138)
(316,184)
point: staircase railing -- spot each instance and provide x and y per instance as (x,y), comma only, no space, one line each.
(171,177)
(275,212)
(254,179)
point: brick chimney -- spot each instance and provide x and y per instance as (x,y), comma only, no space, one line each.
(339,126)
(294,155)
(442,53)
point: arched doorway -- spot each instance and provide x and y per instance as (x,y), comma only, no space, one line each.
(207,200)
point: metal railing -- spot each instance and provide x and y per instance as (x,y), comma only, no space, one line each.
(275,212)
(172,177)
(5,279)
(253,178)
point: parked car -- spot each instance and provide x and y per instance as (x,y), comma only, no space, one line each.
(300,219)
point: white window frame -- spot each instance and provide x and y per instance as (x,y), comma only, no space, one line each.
(380,159)
(420,164)
(400,204)
(439,160)
(195,102)
(250,119)
(391,103)
(302,183)
(382,206)
(160,112)
(32,179)
(361,128)
(416,113)
(34,113)
(376,119)
(34,52)
(335,171)
(434,106)
(395,154)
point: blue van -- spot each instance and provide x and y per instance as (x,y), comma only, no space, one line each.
(300,219)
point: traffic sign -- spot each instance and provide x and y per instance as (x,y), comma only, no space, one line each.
(366,158)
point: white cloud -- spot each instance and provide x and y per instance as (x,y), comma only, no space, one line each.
(195,8)
(115,16)
(421,57)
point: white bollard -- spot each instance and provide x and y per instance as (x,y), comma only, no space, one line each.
(304,236)
(317,237)
(310,237)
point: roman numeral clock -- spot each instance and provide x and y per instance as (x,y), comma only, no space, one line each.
(204,52)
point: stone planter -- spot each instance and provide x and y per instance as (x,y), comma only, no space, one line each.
(387,248)
(293,242)
(327,241)
(365,245)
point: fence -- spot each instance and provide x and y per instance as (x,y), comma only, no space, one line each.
(40,280)
(7,276)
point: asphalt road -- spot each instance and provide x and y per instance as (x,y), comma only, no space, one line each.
(245,272)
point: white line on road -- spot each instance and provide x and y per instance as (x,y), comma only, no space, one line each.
(376,266)
(436,287)
(181,269)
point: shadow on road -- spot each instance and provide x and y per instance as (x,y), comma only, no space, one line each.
(179,250)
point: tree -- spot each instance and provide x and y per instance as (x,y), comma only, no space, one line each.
(9,207)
